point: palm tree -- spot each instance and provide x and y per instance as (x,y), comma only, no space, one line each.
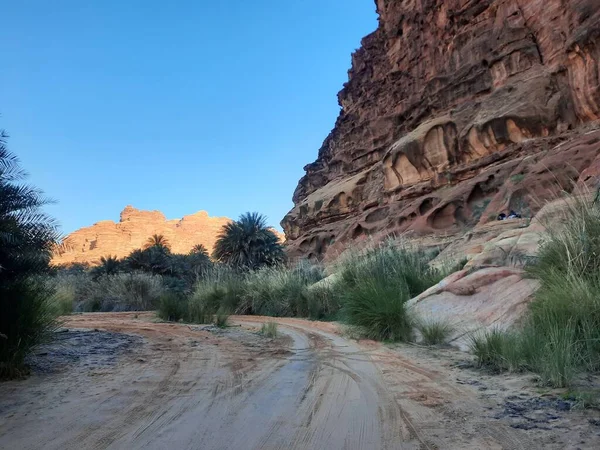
(199,249)
(27,238)
(157,240)
(109,265)
(248,243)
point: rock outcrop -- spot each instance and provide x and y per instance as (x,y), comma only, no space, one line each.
(455,110)
(88,245)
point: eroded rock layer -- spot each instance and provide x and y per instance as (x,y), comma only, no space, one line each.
(88,245)
(455,111)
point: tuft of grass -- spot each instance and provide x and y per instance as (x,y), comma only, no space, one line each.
(559,362)
(30,301)
(280,291)
(375,286)
(379,310)
(584,399)
(323,301)
(435,332)
(269,330)
(497,350)
(134,291)
(560,337)
(63,299)
(172,307)
(221,319)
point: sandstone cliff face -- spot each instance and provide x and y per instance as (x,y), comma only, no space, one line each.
(455,110)
(135,226)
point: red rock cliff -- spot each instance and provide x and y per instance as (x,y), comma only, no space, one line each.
(88,245)
(455,110)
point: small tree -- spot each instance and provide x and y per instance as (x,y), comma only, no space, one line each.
(248,243)
(27,238)
(154,259)
(199,249)
(109,265)
(158,240)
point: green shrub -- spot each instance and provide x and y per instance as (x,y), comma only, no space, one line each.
(269,330)
(172,307)
(435,332)
(63,299)
(375,286)
(27,238)
(221,319)
(206,301)
(219,289)
(279,291)
(248,244)
(323,301)
(134,291)
(497,350)
(561,334)
(379,309)
(31,304)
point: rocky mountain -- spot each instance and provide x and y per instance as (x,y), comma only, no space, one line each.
(455,111)
(88,245)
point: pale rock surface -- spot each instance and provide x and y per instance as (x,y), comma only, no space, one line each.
(492,297)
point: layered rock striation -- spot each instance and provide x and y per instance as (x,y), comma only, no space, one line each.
(455,111)
(88,245)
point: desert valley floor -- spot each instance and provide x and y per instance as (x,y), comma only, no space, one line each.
(124,380)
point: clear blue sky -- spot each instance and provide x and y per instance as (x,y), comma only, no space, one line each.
(177,106)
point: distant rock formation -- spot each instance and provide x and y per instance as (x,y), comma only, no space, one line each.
(455,111)
(88,245)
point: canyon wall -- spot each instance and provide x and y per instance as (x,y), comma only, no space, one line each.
(88,245)
(454,111)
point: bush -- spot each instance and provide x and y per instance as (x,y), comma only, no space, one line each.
(172,307)
(278,291)
(376,285)
(497,350)
(205,302)
(27,237)
(248,244)
(219,288)
(323,301)
(221,319)
(435,332)
(136,291)
(269,330)
(561,335)
(63,299)
(378,308)
(36,321)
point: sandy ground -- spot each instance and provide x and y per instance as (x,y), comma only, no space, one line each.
(122,381)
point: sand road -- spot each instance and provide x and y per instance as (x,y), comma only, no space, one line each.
(184,387)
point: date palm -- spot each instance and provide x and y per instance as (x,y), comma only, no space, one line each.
(109,265)
(248,243)
(199,249)
(158,240)
(27,238)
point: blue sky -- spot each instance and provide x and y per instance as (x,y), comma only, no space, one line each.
(177,106)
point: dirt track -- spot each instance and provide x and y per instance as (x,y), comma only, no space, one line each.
(185,387)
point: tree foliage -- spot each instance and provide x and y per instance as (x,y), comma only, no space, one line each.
(27,237)
(109,265)
(159,241)
(248,243)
